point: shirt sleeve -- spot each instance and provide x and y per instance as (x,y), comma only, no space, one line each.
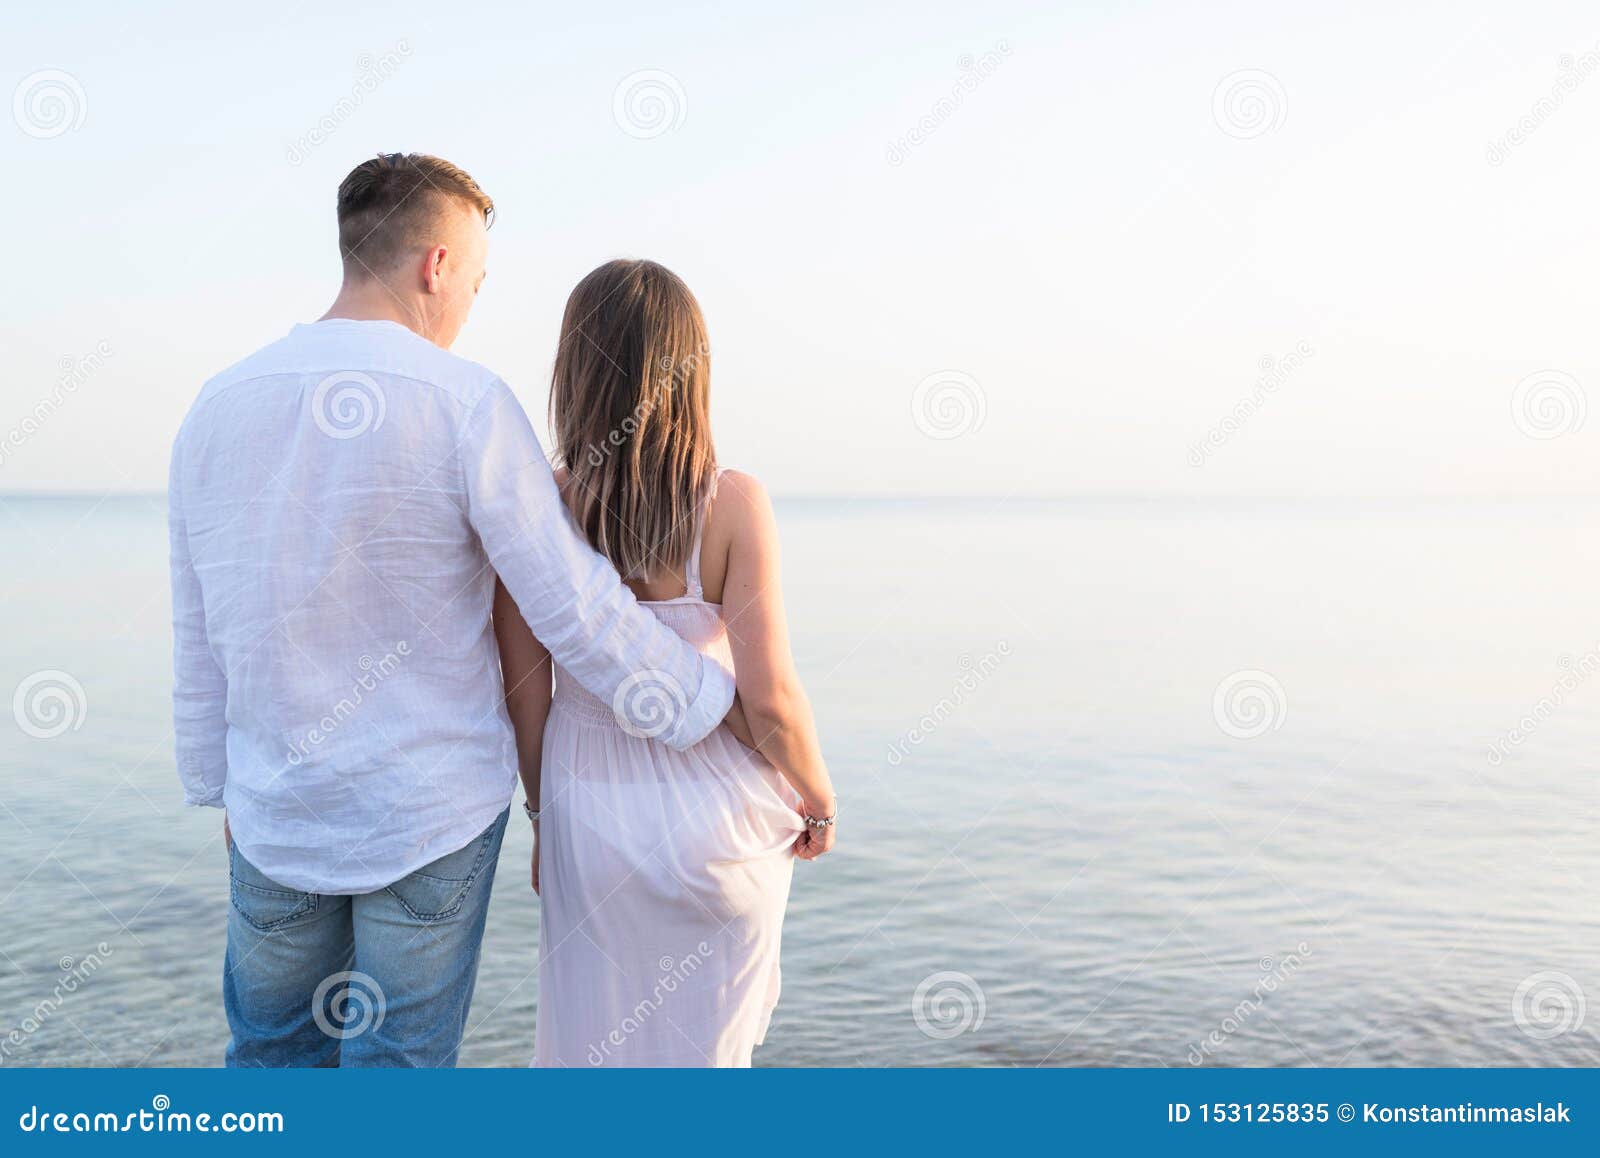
(570,595)
(199,685)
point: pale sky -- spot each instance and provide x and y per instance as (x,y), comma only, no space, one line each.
(1087,258)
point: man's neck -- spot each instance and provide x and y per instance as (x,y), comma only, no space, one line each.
(373,302)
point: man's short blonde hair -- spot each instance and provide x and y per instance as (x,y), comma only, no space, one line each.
(389,204)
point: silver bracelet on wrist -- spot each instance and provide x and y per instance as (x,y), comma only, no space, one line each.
(821,821)
(533,813)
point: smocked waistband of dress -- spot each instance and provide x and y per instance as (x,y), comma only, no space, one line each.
(582,706)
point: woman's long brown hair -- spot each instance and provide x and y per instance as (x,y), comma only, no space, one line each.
(630,413)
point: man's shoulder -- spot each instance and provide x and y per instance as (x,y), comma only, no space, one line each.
(386,353)
(250,366)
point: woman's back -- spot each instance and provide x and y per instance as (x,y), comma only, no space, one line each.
(688,599)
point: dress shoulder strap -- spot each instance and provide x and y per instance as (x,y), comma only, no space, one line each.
(691,569)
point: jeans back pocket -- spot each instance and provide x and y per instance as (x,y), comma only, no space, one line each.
(261,901)
(437,890)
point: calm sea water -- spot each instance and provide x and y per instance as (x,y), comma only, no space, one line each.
(1123,783)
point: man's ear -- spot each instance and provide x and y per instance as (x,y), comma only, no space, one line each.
(433,268)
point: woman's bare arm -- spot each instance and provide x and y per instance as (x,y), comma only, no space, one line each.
(525,668)
(774,704)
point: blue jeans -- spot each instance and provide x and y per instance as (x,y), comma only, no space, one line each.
(378,979)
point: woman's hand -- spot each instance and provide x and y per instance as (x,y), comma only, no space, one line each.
(816,840)
(813,842)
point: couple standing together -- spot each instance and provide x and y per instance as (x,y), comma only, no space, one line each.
(355,491)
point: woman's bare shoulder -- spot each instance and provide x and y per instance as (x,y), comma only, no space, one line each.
(740,518)
(740,491)
(742,508)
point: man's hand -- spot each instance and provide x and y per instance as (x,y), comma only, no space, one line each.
(535,873)
(227,833)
